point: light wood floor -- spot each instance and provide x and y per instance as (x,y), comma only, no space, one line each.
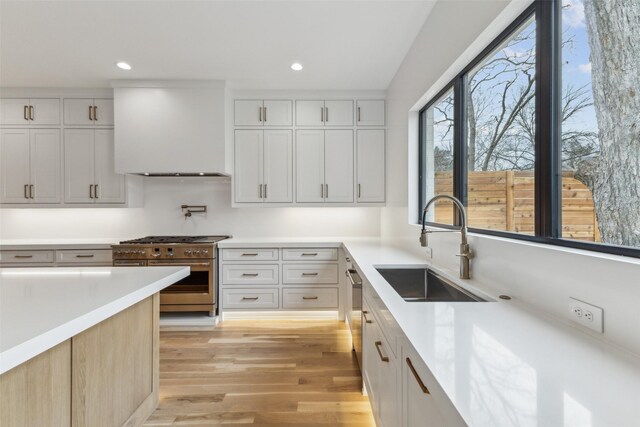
(260,373)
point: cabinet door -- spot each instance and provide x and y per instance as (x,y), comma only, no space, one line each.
(103,112)
(277,113)
(110,186)
(370,373)
(370,165)
(14,111)
(278,166)
(338,113)
(338,169)
(310,166)
(79,168)
(77,111)
(247,175)
(370,112)
(389,409)
(45,165)
(418,406)
(247,112)
(14,153)
(310,113)
(45,111)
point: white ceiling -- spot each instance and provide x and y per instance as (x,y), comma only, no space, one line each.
(342,44)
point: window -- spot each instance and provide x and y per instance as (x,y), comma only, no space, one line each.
(538,134)
(499,94)
(437,150)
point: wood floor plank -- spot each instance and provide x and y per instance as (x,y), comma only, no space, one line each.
(260,373)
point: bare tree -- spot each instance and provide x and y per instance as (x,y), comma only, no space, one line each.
(613,27)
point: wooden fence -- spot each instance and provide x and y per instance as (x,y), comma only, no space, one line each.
(504,200)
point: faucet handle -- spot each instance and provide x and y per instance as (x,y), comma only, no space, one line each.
(467,255)
(423,238)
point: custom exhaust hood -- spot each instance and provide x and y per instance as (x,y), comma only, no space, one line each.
(170,128)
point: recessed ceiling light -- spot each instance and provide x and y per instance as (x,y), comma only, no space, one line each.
(123,65)
(296,66)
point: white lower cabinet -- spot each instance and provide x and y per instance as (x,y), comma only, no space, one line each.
(259,298)
(309,298)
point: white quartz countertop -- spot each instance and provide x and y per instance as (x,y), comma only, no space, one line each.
(42,307)
(48,244)
(499,362)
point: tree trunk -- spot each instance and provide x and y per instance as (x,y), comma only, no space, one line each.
(471,147)
(614,177)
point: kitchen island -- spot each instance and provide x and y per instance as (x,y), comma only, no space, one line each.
(79,346)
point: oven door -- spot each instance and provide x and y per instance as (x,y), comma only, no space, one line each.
(196,288)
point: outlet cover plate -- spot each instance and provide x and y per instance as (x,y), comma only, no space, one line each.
(429,252)
(586,314)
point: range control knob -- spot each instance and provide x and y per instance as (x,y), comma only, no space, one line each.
(187,252)
(141,252)
(196,252)
(205,252)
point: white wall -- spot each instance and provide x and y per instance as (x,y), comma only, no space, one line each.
(161,214)
(538,275)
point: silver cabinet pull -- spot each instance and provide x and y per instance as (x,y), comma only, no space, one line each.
(259,114)
(382,357)
(26,191)
(265,114)
(249,274)
(85,256)
(309,274)
(26,108)
(358,114)
(322,190)
(364,316)
(326,114)
(309,254)
(32,191)
(359,191)
(265,189)
(260,190)
(309,298)
(326,190)
(95,113)
(424,388)
(90,112)
(91,191)
(31,112)
(250,254)
(249,298)
(322,114)
(23,256)
(95,191)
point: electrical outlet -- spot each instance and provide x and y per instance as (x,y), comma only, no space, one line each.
(586,314)
(429,252)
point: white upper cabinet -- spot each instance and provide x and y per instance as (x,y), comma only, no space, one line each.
(30,166)
(370,166)
(269,112)
(338,166)
(324,113)
(89,168)
(263,166)
(324,166)
(88,112)
(29,111)
(278,166)
(370,112)
(310,166)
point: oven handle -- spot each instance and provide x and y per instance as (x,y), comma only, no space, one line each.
(179,264)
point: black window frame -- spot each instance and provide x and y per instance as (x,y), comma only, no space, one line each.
(548,168)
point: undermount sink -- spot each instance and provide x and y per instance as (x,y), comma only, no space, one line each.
(423,284)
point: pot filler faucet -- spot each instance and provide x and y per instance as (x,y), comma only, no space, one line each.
(465,253)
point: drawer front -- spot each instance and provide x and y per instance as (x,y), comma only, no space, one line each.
(247,274)
(86,256)
(310,298)
(250,298)
(250,254)
(310,254)
(26,257)
(310,273)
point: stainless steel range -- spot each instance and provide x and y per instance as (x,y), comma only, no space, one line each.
(196,292)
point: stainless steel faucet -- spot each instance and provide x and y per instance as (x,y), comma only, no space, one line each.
(465,253)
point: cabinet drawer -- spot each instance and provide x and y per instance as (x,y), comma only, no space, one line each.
(310,254)
(250,298)
(310,298)
(249,254)
(26,257)
(84,256)
(246,274)
(310,273)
